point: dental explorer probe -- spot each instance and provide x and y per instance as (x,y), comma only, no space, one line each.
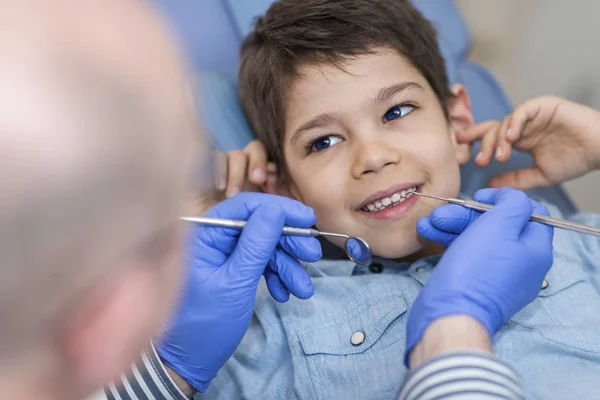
(554,222)
(357,249)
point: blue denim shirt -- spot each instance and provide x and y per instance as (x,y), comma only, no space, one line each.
(303,350)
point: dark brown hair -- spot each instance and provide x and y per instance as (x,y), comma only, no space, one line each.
(293,33)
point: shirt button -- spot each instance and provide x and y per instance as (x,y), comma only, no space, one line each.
(376,268)
(545,284)
(358,338)
(420,269)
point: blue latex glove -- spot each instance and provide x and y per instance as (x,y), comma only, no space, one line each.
(494,264)
(224,270)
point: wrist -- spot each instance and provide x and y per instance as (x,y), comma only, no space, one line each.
(181,383)
(449,334)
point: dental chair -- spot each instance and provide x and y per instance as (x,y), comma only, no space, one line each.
(212,30)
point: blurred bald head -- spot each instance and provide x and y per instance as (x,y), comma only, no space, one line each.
(97,142)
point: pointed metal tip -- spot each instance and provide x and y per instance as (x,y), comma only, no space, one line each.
(431,197)
(189,219)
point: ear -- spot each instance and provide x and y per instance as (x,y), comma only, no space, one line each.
(111,324)
(459,112)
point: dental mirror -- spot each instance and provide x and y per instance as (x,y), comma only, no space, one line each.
(356,248)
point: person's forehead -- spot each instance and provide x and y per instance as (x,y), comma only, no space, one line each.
(125,37)
(329,88)
(121,40)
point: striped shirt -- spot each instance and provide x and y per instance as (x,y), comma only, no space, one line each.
(461,375)
(148,380)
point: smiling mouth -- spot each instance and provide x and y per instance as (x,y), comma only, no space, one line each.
(391,201)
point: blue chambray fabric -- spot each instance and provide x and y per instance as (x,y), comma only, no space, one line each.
(302,349)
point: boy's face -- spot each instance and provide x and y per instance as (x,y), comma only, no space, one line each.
(358,140)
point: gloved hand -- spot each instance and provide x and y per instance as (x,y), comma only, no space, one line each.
(224,269)
(494,265)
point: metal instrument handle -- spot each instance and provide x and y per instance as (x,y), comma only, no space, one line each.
(475,205)
(240,224)
(554,222)
(293,231)
(563,224)
(220,222)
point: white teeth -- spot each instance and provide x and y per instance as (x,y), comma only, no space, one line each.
(389,201)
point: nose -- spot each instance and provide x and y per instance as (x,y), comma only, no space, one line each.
(372,156)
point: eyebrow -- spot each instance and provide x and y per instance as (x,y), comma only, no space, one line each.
(317,122)
(390,91)
(384,94)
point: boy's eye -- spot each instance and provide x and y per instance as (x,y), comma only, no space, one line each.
(324,142)
(398,111)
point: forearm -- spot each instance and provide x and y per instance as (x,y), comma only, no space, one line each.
(149,380)
(448,334)
(454,360)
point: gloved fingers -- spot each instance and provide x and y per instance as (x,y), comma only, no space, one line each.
(293,275)
(426,229)
(448,221)
(452,218)
(539,208)
(487,195)
(211,239)
(213,249)
(511,213)
(257,243)
(244,204)
(275,286)
(307,249)
(538,234)
(284,275)
(241,207)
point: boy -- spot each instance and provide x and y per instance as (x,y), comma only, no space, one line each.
(351,99)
